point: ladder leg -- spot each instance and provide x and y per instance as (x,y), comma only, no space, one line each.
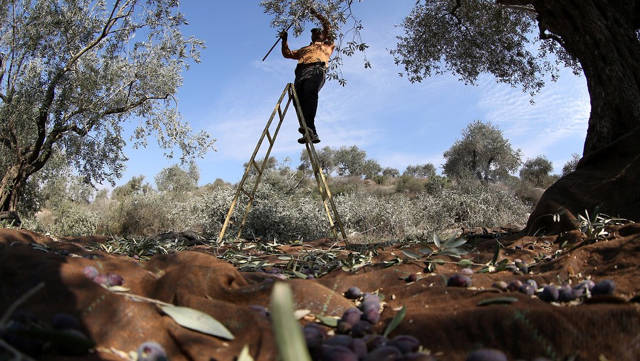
(271,140)
(320,178)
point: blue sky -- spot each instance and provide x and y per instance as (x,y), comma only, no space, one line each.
(231,93)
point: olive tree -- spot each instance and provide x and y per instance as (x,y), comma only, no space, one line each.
(571,164)
(71,74)
(513,41)
(420,171)
(536,171)
(482,153)
(350,161)
(176,180)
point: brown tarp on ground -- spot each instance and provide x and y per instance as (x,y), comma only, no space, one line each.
(447,321)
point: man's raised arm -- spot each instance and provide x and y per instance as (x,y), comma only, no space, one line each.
(286,52)
(326,25)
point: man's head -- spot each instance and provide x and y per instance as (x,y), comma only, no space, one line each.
(317,35)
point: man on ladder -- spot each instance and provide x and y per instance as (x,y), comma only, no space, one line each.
(311,70)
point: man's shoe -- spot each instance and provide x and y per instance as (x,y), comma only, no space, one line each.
(314,139)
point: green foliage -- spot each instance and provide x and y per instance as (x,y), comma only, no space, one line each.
(390,172)
(571,164)
(420,171)
(325,156)
(350,161)
(482,153)
(371,168)
(468,38)
(536,171)
(176,180)
(345,27)
(77,71)
(135,186)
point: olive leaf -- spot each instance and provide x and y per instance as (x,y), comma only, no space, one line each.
(395,322)
(197,321)
(245,355)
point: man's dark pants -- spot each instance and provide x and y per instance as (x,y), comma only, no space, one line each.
(309,80)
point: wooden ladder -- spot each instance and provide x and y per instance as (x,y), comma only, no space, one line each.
(323,187)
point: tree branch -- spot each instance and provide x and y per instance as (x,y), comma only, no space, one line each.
(50,93)
(544,35)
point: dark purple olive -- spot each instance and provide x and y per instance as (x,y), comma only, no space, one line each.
(371,308)
(91,272)
(101,280)
(532,283)
(63,321)
(372,315)
(566,294)
(375,341)
(313,336)
(339,340)
(486,355)
(338,353)
(514,285)
(411,278)
(14,334)
(351,316)
(501,285)
(578,292)
(344,328)
(585,285)
(151,351)
(405,343)
(605,287)
(359,347)
(361,329)
(384,353)
(353,293)
(549,293)
(527,290)
(370,298)
(522,267)
(458,280)
(417,356)
(114,280)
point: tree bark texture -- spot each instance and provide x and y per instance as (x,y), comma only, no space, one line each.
(601,34)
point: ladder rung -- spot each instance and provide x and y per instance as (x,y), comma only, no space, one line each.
(269,138)
(280,112)
(246,193)
(256,166)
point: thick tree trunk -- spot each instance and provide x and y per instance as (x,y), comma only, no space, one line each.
(601,34)
(11,187)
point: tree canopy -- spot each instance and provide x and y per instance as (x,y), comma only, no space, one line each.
(536,171)
(482,153)
(72,72)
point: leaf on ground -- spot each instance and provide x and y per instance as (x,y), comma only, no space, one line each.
(410,254)
(299,314)
(197,321)
(328,320)
(395,322)
(465,263)
(245,355)
(497,301)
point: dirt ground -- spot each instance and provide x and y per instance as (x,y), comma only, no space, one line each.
(447,321)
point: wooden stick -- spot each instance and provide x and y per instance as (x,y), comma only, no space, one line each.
(276,43)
